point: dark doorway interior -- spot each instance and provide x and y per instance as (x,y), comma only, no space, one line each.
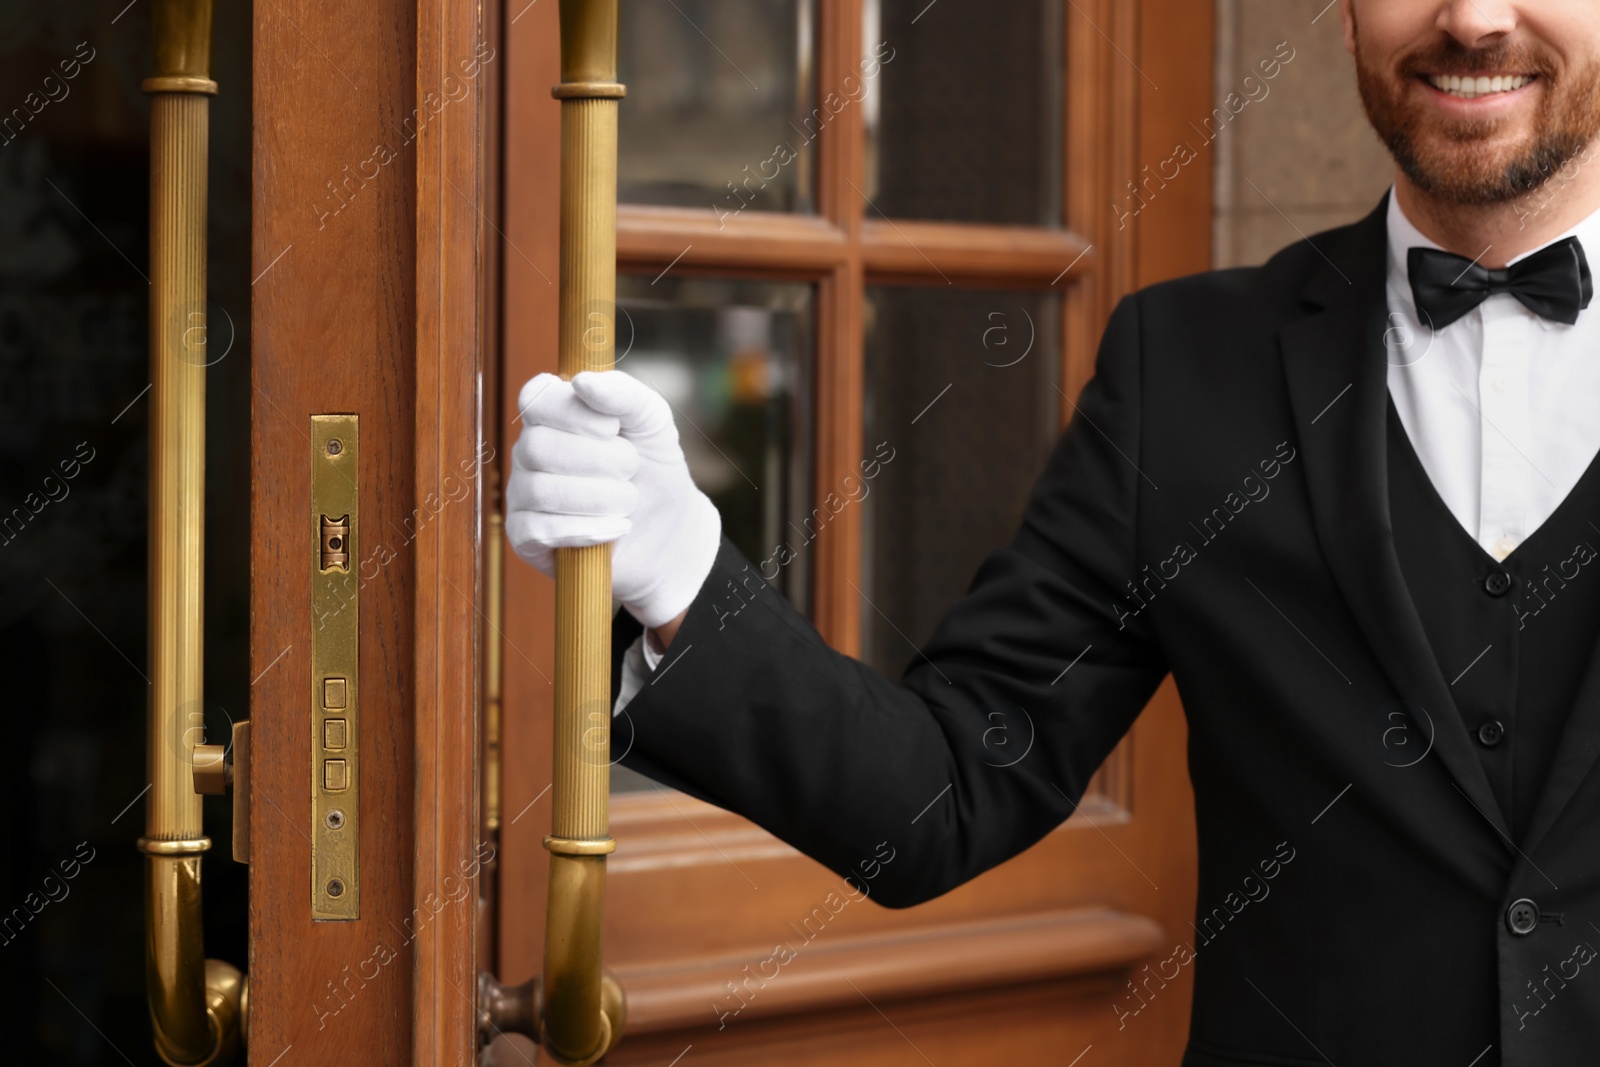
(74,187)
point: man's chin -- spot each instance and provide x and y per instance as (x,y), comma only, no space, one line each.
(1479,171)
(1472,189)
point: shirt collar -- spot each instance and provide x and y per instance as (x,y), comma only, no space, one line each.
(1403,236)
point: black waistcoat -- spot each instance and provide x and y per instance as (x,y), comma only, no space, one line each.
(1512,637)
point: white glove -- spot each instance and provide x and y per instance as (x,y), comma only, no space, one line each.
(599,460)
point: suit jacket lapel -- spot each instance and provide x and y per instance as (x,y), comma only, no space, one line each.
(1336,365)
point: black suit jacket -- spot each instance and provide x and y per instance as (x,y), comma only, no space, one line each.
(1217,508)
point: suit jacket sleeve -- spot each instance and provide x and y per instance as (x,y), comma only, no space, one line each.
(990,737)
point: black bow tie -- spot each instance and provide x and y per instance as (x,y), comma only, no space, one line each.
(1553,283)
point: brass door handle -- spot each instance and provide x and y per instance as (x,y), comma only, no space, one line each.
(198,1007)
(575,1011)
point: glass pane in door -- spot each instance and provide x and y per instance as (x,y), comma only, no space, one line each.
(734,360)
(718,93)
(961,410)
(964,115)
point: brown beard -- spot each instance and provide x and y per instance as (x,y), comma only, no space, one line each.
(1450,159)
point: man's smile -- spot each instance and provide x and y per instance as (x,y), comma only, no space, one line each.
(1477,95)
(1471,87)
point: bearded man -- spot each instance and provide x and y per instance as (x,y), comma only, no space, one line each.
(1388,666)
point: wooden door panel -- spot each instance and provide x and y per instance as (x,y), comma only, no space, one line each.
(369,180)
(330,318)
(699,917)
(1046,1022)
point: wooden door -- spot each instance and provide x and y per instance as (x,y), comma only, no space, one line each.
(403,254)
(370,294)
(852,232)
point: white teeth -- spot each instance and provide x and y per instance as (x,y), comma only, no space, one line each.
(1470,88)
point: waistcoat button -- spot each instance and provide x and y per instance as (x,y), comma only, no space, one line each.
(1491,733)
(1522,917)
(1497,584)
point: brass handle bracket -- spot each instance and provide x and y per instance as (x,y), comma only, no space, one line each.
(213,770)
(221,769)
(519,1009)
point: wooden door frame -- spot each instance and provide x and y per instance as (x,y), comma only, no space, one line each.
(455,301)
(373,294)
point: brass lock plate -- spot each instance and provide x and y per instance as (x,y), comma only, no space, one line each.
(335,538)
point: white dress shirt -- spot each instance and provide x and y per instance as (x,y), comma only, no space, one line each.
(1501,406)
(640,659)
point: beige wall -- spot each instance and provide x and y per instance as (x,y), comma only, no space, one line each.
(1300,157)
